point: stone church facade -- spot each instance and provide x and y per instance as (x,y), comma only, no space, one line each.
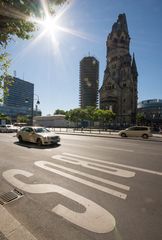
(119,89)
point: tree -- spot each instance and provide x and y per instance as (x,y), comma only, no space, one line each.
(60,111)
(4,117)
(108,116)
(5,79)
(15,17)
(15,20)
(22,119)
(90,114)
(140,118)
(73,115)
(104,116)
(98,115)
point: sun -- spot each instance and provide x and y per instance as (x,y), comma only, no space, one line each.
(50,24)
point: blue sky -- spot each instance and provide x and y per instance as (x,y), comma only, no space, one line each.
(55,72)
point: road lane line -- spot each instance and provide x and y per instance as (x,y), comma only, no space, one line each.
(95,166)
(116,164)
(114,148)
(96,146)
(42,164)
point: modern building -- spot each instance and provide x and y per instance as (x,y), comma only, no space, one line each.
(151,110)
(20,94)
(13,112)
(89,78)
(19,100)
(119,89)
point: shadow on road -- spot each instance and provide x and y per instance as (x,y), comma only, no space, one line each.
(33,145)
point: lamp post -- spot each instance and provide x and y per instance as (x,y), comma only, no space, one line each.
(26,102)
(32,108)
(36,106)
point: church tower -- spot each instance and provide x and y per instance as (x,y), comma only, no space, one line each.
(119,89)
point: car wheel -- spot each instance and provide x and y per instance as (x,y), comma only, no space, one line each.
(123,135)
(39,142)
(145,136)
(20,139)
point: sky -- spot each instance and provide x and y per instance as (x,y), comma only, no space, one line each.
(52,63)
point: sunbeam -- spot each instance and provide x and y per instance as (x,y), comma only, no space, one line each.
(49,26)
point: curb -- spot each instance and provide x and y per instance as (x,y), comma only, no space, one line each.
(11,229)
(110,135)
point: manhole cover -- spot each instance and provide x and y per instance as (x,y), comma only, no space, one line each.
(10,196)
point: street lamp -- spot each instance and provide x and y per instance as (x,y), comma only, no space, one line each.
(37,102)
(32,108)
(29,109)
(36,106)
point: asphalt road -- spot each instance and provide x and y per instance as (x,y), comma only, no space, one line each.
(86,188)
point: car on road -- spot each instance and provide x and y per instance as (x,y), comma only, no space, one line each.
(38,135)
(8,128)
(136,131)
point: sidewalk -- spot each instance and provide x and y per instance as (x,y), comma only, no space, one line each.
(11,229)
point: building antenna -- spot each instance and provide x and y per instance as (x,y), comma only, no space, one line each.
(14,73)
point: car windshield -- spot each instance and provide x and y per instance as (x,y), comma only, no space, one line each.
(41,130)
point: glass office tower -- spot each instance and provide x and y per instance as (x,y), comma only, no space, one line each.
(19,100)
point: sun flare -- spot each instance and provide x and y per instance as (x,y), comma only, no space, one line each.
(49,24)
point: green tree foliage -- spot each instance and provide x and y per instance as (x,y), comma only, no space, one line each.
(98,115)
(15,21)
(104,116)
(5,78)
(90,114)
(140,118)
(59,111)
(22,119)
(4,117)
(73,115)
(15,17)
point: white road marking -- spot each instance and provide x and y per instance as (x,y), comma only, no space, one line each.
(115,164)
(79,145)
(115,184)
(96,146)
(115,193)
(95,218)
(87,162)
(114,148)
